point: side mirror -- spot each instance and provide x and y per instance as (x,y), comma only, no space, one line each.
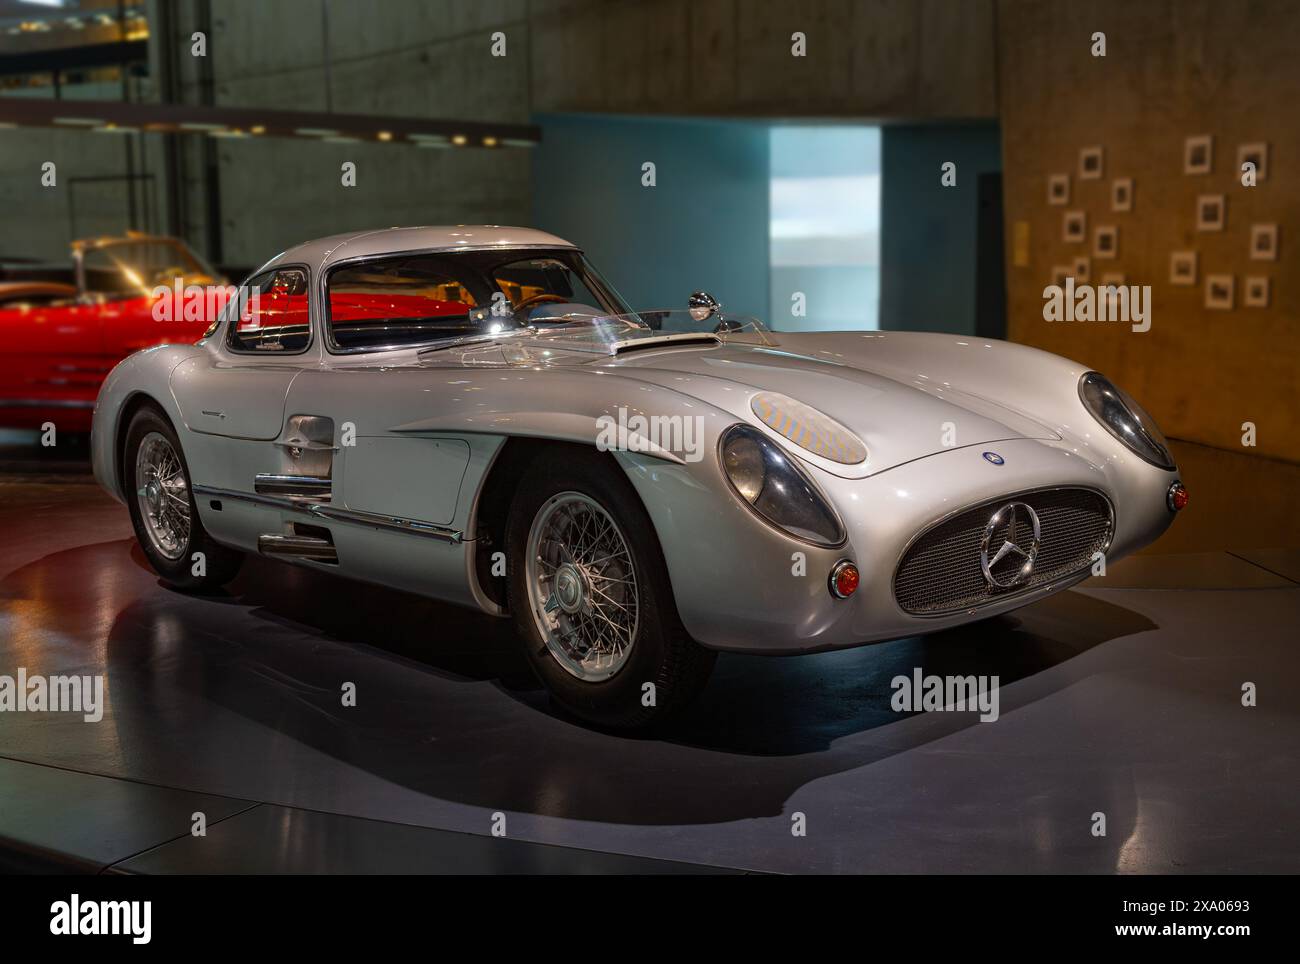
(703,305)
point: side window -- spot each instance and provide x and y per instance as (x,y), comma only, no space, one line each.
(407,300)
(274,318)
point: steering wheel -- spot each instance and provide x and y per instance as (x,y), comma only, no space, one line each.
(539,299)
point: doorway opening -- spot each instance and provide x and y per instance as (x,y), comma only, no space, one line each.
(824,227)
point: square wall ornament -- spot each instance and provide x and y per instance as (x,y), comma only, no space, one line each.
(1121,194)
(1074,227)
(1105,242)
(1256,155)
(1211,212)
(1091,163)
(1257,292)
(1219,290)
(1263,242)
(1182,268)
(1198,154)
(1082,270)
(1058,189)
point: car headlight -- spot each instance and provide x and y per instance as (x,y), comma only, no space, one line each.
(773,486)
(1125,419)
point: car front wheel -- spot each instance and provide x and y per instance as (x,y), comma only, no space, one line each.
(163,512)
(590,595)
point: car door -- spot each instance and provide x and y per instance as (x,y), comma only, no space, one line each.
(387,504)
(232,397)
(415,478)
(389,501)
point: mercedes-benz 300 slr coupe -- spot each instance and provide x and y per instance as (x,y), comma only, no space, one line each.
(473,414)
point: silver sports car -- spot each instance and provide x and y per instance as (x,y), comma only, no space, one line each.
(474,414)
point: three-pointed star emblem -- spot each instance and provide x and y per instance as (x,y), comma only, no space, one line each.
(1015,531)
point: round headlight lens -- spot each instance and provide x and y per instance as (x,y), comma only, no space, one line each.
(774,487)
(1125,419)
(743,459)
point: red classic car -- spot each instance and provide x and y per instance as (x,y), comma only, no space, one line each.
(63,328)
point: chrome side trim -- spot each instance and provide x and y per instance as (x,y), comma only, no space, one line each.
(294,486)
(324,511)
(394,523)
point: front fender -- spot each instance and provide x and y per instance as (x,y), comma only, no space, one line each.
(146,373)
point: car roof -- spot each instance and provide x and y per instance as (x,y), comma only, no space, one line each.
(323,252)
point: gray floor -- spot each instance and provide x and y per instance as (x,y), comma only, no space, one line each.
(1121,697)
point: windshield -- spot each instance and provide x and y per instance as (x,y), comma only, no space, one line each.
(428,297)
(133,268)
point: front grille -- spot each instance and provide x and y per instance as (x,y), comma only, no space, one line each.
(941,572)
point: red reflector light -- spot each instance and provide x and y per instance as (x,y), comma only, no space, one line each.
(1177,498)
(844,579)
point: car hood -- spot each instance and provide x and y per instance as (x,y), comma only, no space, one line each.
(900,417)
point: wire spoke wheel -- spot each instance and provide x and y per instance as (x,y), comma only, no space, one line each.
(582,586)
(163,495)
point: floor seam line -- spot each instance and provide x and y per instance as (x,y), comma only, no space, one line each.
(179,836)
(1258,565)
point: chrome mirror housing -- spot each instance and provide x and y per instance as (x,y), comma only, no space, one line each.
(703,305)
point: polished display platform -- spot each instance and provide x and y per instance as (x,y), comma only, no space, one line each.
(1122,696)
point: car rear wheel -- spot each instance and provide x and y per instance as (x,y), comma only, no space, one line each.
(162,507)
(590,595)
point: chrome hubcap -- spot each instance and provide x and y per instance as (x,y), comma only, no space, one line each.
(569,588)
(582,586)
(163,495)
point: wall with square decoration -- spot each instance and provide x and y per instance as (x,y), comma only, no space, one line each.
(1109,141)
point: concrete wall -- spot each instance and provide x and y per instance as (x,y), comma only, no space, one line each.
(39,221)
(865,58)
(89,196)
(1172,69)
(703,225)
(404,57)
(928,231)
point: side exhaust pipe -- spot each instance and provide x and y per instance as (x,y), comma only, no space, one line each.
(297,547)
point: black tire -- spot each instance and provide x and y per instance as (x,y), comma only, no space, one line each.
(661,652)
(221,564)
